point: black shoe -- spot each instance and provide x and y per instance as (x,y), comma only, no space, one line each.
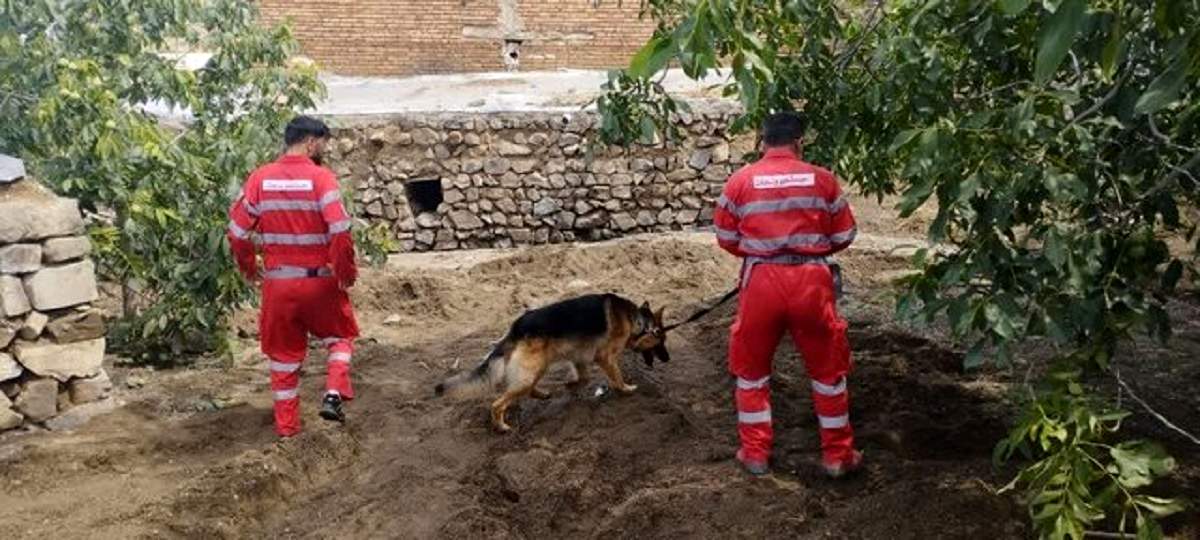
(331,408)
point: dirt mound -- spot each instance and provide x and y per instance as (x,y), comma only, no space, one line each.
(193,456)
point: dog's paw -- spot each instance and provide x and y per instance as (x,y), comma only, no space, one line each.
(628,389)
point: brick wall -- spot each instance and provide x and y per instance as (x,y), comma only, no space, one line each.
(408,37)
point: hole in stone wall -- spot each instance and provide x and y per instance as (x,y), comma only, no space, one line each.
(424,194)
(512,54)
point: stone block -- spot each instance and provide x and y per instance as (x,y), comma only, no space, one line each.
(546,207)
(13,302)
(77,326)
(32,219)
(508,149)
(700,159)
(9,418)
(57,250)
(89,389)
(496,166)
(9,368)
(38,399)
(624,221)
(11,169)
(61,361)
(58,287)
(465,221)
(35,323)
(20,258)
(687,217)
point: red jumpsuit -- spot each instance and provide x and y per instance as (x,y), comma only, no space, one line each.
(784,217)
(293,210)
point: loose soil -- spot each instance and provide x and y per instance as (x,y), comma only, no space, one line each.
(191,453)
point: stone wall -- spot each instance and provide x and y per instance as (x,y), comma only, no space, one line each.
(51,339)
(409,37)
(528,178)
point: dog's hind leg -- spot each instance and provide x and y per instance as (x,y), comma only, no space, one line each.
(579,373)
(609,359)
(525,369)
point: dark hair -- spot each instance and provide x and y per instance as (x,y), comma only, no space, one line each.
(783,128)
(303,127)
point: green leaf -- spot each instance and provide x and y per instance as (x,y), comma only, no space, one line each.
(1013,7)
(1148,529)
(902,139)
(1159,506)
(1114,49)
(1140,462)
(1165,89)
(1057,35)
(999,321)
(652,57)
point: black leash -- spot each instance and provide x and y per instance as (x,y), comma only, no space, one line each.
(697,315)
(837,285)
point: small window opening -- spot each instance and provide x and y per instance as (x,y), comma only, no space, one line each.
(424,194)
(512,54)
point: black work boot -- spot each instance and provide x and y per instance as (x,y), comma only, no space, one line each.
(331,408)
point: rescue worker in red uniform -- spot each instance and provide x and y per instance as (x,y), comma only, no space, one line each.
(292,209)
(784,218)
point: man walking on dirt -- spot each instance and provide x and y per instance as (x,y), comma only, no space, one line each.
(295,208)
(785,217)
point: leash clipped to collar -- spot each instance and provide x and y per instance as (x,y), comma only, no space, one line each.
(697,315)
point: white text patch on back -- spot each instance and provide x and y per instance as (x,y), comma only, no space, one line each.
(778,181)
(287,185)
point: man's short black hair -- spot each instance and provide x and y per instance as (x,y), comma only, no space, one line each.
(303,127)
(781,129)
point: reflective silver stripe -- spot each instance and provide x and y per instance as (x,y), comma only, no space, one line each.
(829,390)
(237,231)
(727,235)
(251,209)
(339,226)
(833,422)
(332,340)
(783,205)
(748,384)
(339,357)
(845,236)
(727,204)
(283,367)
(760,417)
(295,239)
(294,272)
(284,395)
(278,205)
(780,242)
(329,198)
(750,262)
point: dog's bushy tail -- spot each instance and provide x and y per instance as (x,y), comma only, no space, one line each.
(484,377)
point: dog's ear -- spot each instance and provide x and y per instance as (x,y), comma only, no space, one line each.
(645,306)
(658,316)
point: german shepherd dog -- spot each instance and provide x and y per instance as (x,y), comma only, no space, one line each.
(596,328)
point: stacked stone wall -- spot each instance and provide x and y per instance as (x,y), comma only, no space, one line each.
(513,179)
(51,338)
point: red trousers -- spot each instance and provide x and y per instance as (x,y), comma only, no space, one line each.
(798,299)
(292,310)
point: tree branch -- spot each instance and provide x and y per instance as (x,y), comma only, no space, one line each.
(875,19)
(1149,409)
(1112,93)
